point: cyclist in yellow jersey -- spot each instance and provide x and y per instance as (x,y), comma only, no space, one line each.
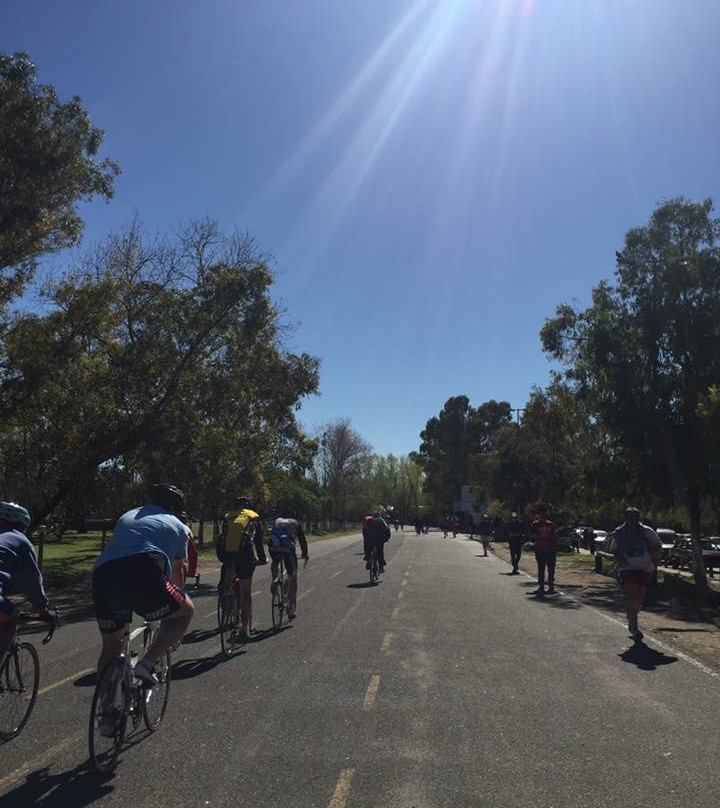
(240,542)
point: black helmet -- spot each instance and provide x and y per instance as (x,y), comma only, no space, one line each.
(242,502)
(168,496)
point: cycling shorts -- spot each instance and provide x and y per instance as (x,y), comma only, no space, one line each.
(136,583)
(244,562)
(289,557)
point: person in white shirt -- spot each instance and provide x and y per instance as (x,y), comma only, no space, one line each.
(636,548)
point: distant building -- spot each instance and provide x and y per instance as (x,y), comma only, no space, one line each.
(465,507)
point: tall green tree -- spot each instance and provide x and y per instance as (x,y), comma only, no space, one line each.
(48,163)
(163,359)
(455,443)
(644,355)
(342,467)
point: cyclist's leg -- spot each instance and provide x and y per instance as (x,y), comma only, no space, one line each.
(274,563)
(244,569)
(156,598)
(8,626)
(291,565)
(381,553)
(244,588)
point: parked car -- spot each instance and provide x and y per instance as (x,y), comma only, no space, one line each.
(601,539)
(681,554)
(583,534)
(667,540)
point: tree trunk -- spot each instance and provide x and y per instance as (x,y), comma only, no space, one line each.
(699,572)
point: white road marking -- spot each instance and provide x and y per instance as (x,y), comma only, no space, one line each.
(386,642)
(70,678)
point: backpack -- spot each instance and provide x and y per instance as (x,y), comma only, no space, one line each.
(280,538)
(238,531)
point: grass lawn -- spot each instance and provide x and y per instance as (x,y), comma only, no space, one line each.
(70,560)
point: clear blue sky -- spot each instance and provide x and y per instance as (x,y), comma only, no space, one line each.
(432,177)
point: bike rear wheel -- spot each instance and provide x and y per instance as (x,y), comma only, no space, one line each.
(19,681)
(228,615)
(278,597)
(108,716)
(374,567)
(155,700)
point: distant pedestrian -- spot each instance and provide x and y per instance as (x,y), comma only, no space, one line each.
(636,548)
(485,531)
(544,535)
(516,533)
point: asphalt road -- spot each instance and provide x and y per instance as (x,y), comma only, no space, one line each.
(447,684)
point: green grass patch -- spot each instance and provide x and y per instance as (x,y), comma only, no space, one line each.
(69,560)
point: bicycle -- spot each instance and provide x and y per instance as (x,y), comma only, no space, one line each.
(228,615)
(120,698)
(19,680)
(280,604)
(374,566)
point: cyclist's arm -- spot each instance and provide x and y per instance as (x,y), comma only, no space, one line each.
(303,541)
(30,578)
(177,575)
(259,547)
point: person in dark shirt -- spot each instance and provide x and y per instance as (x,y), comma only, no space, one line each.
(375,533)
(485,531)
(516,533)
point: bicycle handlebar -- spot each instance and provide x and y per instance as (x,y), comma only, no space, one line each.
(25,616)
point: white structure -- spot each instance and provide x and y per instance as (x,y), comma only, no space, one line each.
(466,505)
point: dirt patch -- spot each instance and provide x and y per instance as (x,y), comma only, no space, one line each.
(673,612)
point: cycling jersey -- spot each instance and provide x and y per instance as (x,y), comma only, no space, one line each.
(150,529)
(18,563)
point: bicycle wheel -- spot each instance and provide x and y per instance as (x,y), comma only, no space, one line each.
(229,611)
(278,597)
(155,700)
(19,680)
(374,567)
(108,716)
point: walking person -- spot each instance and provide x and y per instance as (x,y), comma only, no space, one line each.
(544,535)
(516,534)
(636,548)
(485,531)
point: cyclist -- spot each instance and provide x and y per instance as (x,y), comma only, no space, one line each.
(375,533)
(241,529)
(285,531)
(18,563)
(141,570)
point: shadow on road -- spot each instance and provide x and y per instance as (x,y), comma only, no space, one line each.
(73,789)
(268,633)
(646,658)
(199,635)
(190,668)
(89,680)
(364,585)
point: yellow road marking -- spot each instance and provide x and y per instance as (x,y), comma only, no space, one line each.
(342,789)
(72,676)
(371,694)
